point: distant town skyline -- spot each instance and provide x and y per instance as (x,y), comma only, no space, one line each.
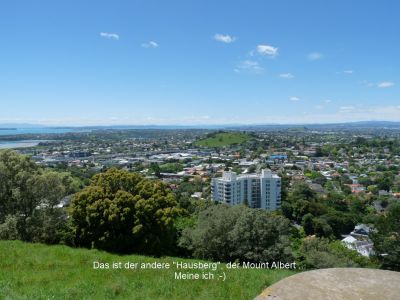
(199,62)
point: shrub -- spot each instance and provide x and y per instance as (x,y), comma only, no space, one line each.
(8,230)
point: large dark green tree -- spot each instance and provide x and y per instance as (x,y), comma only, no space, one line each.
(302,200)
(238,233)
(124,212)
(17,176)
(29,199)
(386,238)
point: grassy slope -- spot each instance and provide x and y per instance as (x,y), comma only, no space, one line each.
(223,139)
(35,271)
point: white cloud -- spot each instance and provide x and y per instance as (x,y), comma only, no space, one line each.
(382,85)
(353,114)
(150,44)
(323,104)
(249,66)
(267,50)
(294,98)
(286,75)
(385,110)
(348,72)
(347,109)
(227,39)
(362,112)
(107,35)
(366,83)
(385,84)
(314,56)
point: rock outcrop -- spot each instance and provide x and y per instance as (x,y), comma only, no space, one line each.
(336,284)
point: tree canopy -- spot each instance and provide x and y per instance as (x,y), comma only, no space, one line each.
(238,233)
(386,238)
(29,199)
(124,212)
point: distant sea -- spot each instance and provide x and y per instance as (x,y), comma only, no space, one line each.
(39,130)
(18,144)
(30,143)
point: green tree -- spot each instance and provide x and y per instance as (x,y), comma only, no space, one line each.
(31,195)
(386,238)
(340,222)
(8,229)
(171,168)
(322,228)
(260,236)
(16,175)
(301,201)
(318,253)
(384,182)
(307,223)
(238,233)
(155,169)
(124,212)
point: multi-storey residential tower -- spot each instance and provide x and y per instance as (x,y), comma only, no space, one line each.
(257,190)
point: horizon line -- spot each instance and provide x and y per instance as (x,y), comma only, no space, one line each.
(43,125)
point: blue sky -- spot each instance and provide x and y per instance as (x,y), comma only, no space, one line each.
(199,62)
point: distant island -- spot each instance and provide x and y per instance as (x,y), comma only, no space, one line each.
(8,128)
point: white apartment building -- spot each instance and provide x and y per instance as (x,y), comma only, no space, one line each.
(258,190)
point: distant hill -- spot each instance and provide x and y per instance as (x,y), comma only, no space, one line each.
(348,125)
(322,126)
(223,139)
(36,271)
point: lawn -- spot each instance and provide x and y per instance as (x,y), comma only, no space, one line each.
(36,271)
(223,139)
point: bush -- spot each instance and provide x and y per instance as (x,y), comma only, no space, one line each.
(9,230)
(319,253)
(47,227)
